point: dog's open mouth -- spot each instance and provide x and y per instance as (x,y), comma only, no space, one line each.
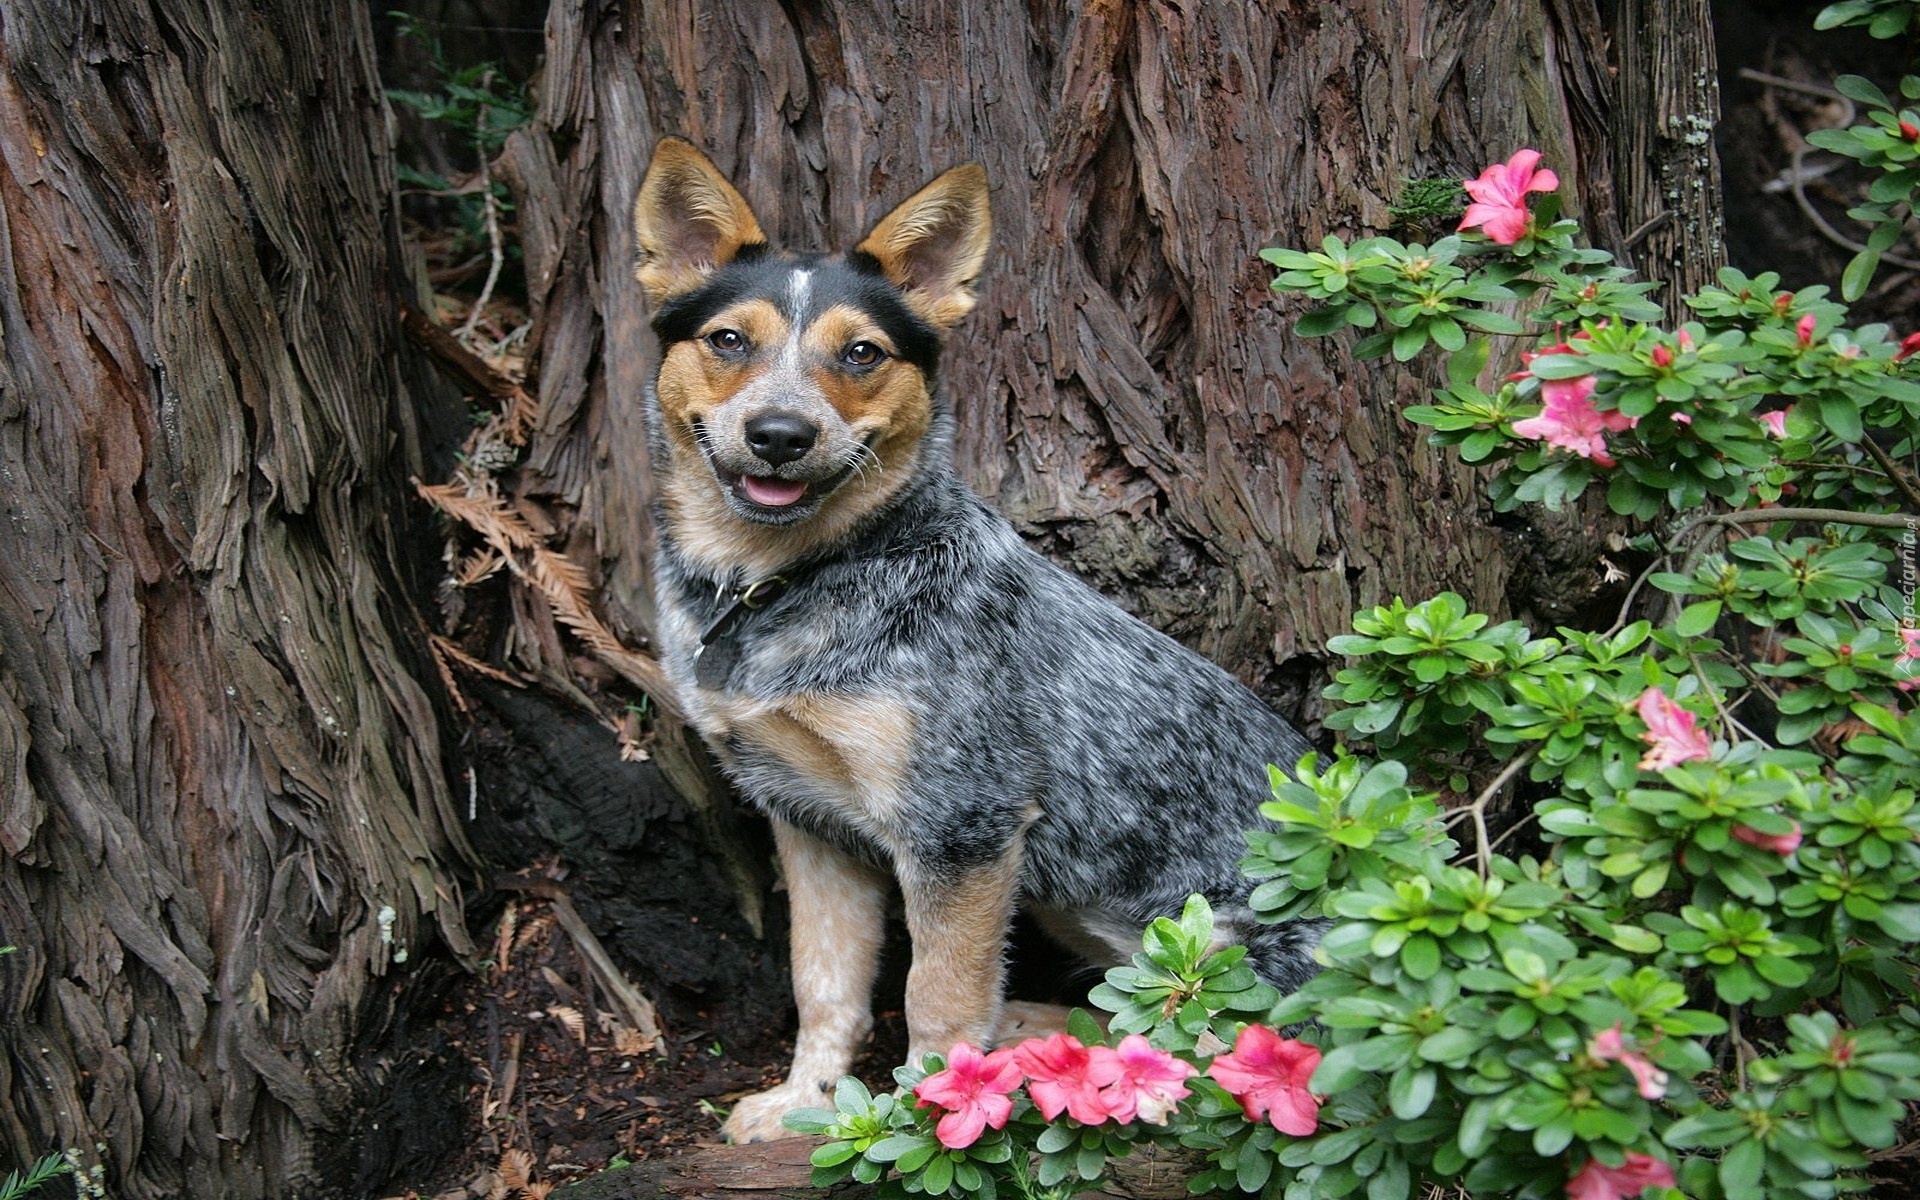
(765,491)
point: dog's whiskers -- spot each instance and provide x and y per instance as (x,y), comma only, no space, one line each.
(858,458)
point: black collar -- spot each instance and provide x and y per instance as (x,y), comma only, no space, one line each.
(743,600)
(717,654)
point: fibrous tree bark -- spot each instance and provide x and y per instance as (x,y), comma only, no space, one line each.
(229,842)
(1669,99)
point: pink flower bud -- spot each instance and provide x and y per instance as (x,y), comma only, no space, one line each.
(1662,357)
(1910,131)
(1598,1181)
(1804,330)
(1782,844)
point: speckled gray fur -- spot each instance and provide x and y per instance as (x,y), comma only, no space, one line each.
(1136,761)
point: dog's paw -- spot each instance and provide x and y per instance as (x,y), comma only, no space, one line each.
(756,1118)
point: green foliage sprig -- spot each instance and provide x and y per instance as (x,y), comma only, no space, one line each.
(480,106)
(17,1185)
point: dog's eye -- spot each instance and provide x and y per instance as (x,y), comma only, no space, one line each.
(727,341)
(862,354)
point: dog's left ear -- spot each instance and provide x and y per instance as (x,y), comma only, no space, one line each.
(688,221)
(933,246)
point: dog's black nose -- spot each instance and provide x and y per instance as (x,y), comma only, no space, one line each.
(779,438)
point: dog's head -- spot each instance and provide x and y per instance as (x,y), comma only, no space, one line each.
(794,390)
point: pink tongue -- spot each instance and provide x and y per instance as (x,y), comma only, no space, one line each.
(774,493)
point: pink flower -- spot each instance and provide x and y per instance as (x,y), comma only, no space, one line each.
(1610,1046)
(1151,1083)
(1527,356)
(973,1091)
(1597,1181)
(1662,356)
(1670,731)
(1775,421)
(1782,844)
(1499,195)
(1804,330)
(1063,1075)
(1268,1075)
(1570,421)
(1909,645)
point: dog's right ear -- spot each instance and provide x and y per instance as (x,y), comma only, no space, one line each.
(688,221)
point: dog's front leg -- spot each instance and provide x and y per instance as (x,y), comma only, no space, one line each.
(958,922)
(839,906)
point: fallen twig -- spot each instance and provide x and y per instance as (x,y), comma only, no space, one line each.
(491,208)
(639,1010)
(517,406)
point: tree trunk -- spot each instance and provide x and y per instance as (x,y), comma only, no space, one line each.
(1669,103)
(230,845)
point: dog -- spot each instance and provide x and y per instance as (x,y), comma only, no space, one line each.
(913,696)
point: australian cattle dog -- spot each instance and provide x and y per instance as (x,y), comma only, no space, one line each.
(913,696)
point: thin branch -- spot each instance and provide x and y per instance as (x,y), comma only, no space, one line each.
(491,208)
(1742,1049)
(1512,829)
(1757,682)
(1893,471)
(639,1010)
(1768,516)
(1825,516)
(1797,178)
(1727,719)
(520,408)
(1647,227)
(1806,89)
(1825,228)
(1483,851)
(1633,593)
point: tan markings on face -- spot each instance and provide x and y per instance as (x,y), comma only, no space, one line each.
(694,380)
(891,401)
(890,398)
